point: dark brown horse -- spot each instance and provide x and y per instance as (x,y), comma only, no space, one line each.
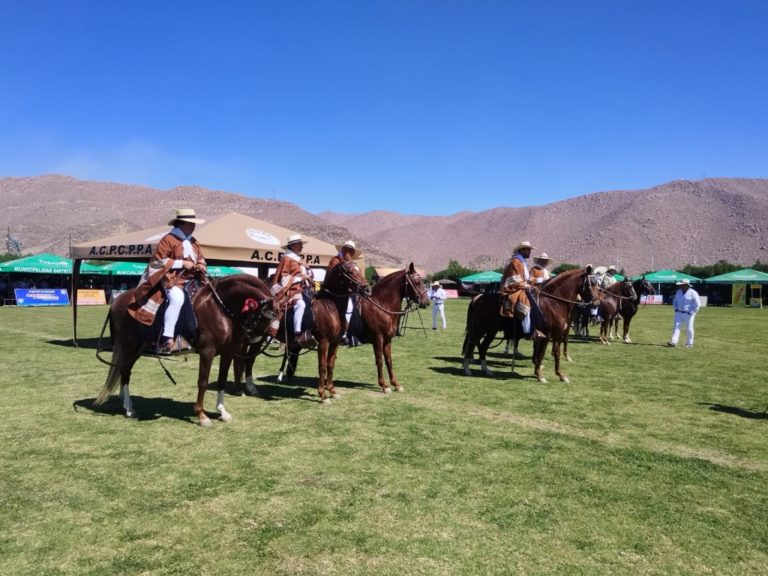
(628,308)
(381,314)
(554,303)
(611,301)
(329,308)
(230,311)
(483,324)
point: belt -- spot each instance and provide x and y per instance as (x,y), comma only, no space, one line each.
(683,312)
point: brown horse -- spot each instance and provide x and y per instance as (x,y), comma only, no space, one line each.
(554,303)
(611,300)
(483,323)
(628,308)
(229,311)
(329,308)
(381,314)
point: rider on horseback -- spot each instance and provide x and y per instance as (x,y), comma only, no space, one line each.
(539,272)
(346,253)
(288,283)
(177,259)
(514,283)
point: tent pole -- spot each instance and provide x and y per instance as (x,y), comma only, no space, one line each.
(75,285)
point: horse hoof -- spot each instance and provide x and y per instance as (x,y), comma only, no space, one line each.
(205,422)
(467,372)
(280,377)
(130,414)
(565,379)
(568,359)
(325,401)
(226,417)
(387,390)
(542,380)
(399,389)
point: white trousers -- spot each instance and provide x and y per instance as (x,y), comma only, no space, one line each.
(438,309)
(175,302)
(298,314)
(348,313)
(683,319)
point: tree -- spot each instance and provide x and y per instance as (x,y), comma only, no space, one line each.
(453,272)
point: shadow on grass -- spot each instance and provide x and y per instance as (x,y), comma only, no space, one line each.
(146,408)
(86,343)
(741,412)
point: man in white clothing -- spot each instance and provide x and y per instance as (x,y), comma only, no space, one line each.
(437,295)
(686,303)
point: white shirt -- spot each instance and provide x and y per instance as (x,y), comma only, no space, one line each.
(687,301)
(437,296)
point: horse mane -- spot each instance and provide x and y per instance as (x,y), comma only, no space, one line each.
(388,280)
(562,278)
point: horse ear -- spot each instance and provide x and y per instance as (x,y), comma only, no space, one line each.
(411,268)
(588,269)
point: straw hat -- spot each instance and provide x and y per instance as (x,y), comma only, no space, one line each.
(524,244)
(543,256)
(435,283)
(292,239)
(186,215)
(612,267)
(348,244)
(683,282)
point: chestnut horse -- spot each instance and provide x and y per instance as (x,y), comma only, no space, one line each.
(611,300)
(555,301)
(381,314)
(554,298)
(230,311)
(329,308)
(628,308)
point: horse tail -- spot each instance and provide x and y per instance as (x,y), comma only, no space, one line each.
(118,362)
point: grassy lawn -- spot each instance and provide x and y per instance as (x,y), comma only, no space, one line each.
(651,461)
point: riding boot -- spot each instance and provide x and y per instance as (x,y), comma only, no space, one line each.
(305,339)
(165,347)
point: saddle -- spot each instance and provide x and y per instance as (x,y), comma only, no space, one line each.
(185,334)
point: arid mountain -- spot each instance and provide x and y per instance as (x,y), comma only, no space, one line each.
(668,226)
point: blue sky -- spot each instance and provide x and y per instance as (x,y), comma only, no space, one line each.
(418,106)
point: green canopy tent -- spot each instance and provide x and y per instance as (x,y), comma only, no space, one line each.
(487,277)
(746,286)
(666,277)
(38,264)
(219,271)
(137,269)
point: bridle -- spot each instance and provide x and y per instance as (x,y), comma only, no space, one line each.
(410,301)
(589,280)
(626,283)
(357,286)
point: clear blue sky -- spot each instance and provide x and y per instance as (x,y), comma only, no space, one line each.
(416,106)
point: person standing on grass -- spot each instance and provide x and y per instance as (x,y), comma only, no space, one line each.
(686,303)
(437,295)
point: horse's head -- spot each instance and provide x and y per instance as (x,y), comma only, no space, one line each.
(415,291)
(646,287)
(346,278)
(247,300)
(628,289)
(256,315)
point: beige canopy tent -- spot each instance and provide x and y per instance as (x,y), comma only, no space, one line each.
(228,240)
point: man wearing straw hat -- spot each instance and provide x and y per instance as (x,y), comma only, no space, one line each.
(437,295)
(609,278)
(686,303)
(539,271)
(177,258)
(290,279)
(346,253)
(514,281)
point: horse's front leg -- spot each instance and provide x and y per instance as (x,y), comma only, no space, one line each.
(225,362)
(390,370)
(322,369)
(206,359)
(378,353)
(333,348)
(539,348)
(482,352)
(556,354)
(626,330)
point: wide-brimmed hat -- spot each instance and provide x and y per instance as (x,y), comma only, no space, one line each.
(292,239)
(683,282)
(348,244)
(612,267)
(524,244)
(435,283)
(542,256)
(186,215)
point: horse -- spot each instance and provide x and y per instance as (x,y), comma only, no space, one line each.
(230,311)
(482,325)
(628,308)
(611,300)
(381,313)
(328,309)
(554,303)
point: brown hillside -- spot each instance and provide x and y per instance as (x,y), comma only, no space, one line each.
(667,226)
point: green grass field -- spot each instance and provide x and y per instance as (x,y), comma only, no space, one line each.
(651,461)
